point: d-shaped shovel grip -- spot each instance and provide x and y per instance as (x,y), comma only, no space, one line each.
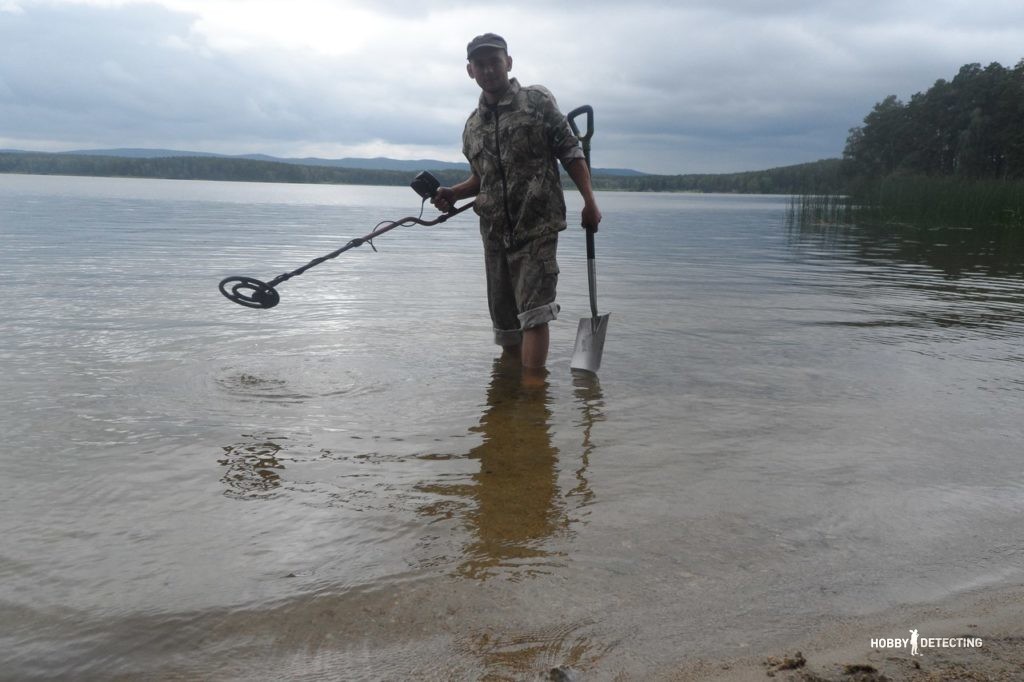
(585,138)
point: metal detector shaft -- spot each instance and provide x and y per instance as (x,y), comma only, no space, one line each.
(252,293)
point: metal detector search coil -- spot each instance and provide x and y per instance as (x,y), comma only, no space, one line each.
(253,293)
(249,292)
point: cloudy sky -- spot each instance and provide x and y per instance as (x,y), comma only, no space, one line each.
(678,87)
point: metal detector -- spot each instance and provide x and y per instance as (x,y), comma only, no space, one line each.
(253,293)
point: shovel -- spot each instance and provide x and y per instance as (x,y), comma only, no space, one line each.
(586,355)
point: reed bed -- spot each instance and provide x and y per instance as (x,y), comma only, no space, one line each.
(919,201)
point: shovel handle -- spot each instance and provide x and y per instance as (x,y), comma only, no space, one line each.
(571,116)
(585,142)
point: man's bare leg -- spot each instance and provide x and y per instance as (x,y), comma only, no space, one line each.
(535,346)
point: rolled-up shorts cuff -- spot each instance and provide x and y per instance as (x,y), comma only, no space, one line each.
(540,315)
(508,337)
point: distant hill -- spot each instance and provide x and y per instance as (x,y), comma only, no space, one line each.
(820,177)
(376,163)
(620,172)
(137,153)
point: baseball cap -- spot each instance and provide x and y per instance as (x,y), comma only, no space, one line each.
(486,40)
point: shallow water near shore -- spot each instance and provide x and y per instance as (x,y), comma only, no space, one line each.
(793,424)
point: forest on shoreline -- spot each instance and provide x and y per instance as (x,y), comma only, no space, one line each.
(817,177)
(969,128)
(952,155)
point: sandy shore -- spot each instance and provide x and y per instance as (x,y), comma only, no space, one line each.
(313,641)
(844,652)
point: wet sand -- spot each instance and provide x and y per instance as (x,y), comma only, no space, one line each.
(842,651)
(385,637)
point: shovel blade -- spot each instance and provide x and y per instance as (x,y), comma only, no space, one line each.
(586,356)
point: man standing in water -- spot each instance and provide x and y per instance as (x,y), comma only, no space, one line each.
(514,141)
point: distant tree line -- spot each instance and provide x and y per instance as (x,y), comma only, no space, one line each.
(196,168)
(818,177)
(970,127)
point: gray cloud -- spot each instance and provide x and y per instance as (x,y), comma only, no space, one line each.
(139,75)
(686,87)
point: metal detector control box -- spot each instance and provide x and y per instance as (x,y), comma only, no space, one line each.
(425,184)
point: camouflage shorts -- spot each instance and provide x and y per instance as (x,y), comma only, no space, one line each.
(521,286)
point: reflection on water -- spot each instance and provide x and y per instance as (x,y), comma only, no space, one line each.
(513,507)
(996,251)
(590,400)
(921,277)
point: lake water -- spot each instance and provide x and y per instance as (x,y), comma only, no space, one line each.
(792,425)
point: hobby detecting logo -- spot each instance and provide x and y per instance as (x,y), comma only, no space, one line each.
(916,643)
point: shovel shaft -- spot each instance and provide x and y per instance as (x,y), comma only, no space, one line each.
(592,272)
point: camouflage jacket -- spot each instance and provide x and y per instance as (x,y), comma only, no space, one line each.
(514,148)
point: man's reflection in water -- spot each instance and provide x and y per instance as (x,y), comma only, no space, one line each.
(512,505)
(518,508)
(591,403)
(520,512)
